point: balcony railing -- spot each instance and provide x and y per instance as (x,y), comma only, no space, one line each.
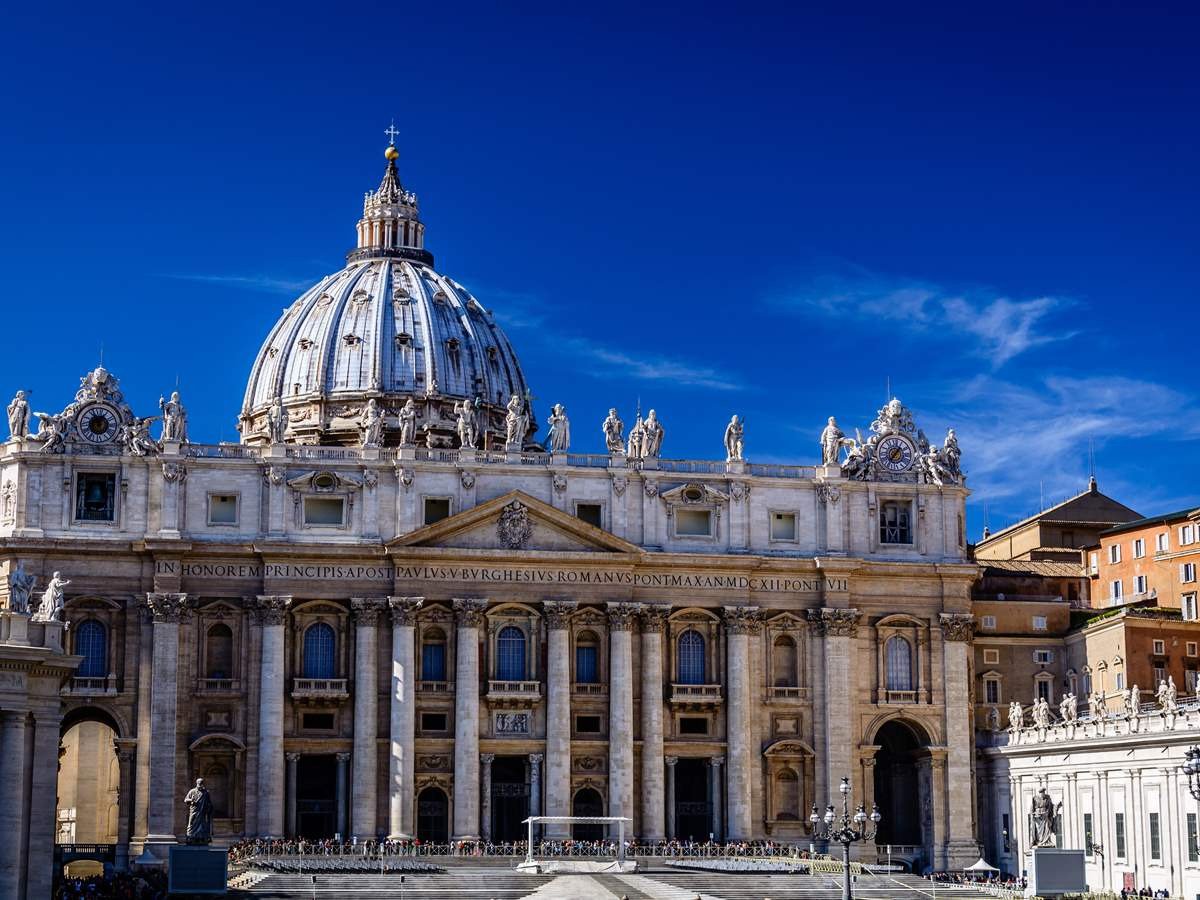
(900,696)
(514,690)
(706,694)
(589,688)
(217,685)
(435,687)
(785,692)
(319,689)
(93,687)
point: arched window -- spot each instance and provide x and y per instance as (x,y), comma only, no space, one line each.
(510,654)
(784,661)
(898,652)
(787,796)
(691,658)
(219,652)
(318,651)
(91,642)
(433,655)
(587,658)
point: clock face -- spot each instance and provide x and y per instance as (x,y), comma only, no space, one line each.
(98,424)
(895,454)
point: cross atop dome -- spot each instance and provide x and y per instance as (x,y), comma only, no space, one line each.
(391,132)
(390,223)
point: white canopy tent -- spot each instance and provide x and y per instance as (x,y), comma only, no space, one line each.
(981,867)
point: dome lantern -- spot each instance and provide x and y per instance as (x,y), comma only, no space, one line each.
(391,222)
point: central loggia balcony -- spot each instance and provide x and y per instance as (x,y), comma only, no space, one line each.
(319,690)
(435,687)
(696,695)
(514,693)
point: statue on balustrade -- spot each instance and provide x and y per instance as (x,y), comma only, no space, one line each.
(1041,713)
(1133,702)
(614,432)
(1068,708)
(408,423)
(372,424)
(1016,716)
(516,423)
(560,429)
(1043,817)
(20,589)
(735,444)
(53,600)
(652,436)
(200,814)
(277,421)
(174,419)
(832,440)
(1096,706)
(468,429)
(1167,696)
(18,416)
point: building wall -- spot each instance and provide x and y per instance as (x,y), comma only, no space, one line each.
(1161,568)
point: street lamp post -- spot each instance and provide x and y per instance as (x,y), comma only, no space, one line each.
(845,829)
(1191,768)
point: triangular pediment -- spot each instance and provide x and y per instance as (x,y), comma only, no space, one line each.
(515,522)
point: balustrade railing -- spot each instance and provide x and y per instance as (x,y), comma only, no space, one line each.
(211,685)
(435,687)
(589,688)
(519,688)
(782,692)
(92,686)
(319,687)
(695,693)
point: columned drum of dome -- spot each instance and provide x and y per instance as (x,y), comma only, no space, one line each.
(387,327)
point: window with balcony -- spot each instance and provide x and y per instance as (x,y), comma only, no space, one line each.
(691,658)
(898,653)
(91,642)
(319,646)
(96,496)
(587,658)
(895,526)
(510,654)
(433,655)
(218,652)
(783,661)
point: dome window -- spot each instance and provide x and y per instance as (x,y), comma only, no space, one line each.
(400,293)
(305,343)
(273,352)
(325,300)
(453,345)
(360,297)
(324,482)
(403,339)
(441,296)
(351,339)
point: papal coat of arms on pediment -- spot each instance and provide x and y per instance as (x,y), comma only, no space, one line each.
(514,527)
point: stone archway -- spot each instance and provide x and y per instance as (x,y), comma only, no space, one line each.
(903,791)
(93,787)
(433,816)
(587,802)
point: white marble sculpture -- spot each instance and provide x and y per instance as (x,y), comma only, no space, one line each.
(1167,696)
(408,423)
(735,444)
(1096,705)
(277,421)
(52,432)
(652,436)
(468,433)
(174,418)
(372,424)
(1041,713)
(832,440)
(18,416)
(1016,716)
(136,436)
(637,438)
(993,719)
(614,433)
(1068,708)
(516,423)
(53,600)
(1133,702)
(560,429)
(20,589)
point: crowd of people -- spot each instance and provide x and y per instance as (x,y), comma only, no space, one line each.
(116,886)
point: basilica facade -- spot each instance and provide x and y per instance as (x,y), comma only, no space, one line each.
(392,609)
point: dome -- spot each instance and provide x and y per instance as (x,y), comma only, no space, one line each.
(386,327)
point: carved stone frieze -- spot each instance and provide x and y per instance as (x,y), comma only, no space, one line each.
(434,763)
(469,613)
(558,613)
(270,609)
(405,609)
(743,619)
(167,607)
(368,610)
(468,479)
(835,622)
(589,764)
(957,626)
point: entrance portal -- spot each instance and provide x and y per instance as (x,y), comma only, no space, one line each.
(510,798)
(316,797)
(587,802)
(433,816)
(693,806)
(89,782)
(897,785)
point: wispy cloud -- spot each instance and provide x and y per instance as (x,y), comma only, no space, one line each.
(998,328)
(267,284)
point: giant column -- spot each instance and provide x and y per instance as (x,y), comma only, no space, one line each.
(293,762)
(125,749)
(14,763)
(620,709)
(838,629)
(166,610)
(466,718)
(558,714)
(403,717)
(957,630)
(653,824)
(270,612)
(364,769)
(740,623)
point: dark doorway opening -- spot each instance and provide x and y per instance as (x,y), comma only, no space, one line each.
(316,796)
(433,816)
(693,806)
(587,802)
(897,785)
(510,798)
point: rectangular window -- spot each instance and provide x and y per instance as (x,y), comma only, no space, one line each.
(895,526)
(1139,548)
(1088,843)
(1043,691)
(586,670)
(1044,657)
(324,510)
(433,721)
(783,526)
(1187,572)
(433,661)
(95,496)
(693,523)
(988,622)
(1039,623)
(1160,674)
(1188,607)
(1114,591)
(592,513)
(587,724)
(991,690)
(1120,681)
(693,725)
(1119,833)
(1139,584)
(317,721)
(1093,563)
(1193,843)
(436,509)
(1159,647)
(1162,542)
(1114,553)
(1186,533)
(1191,646)
(222,509)
(1189,681)
(1155,839)
(991,657)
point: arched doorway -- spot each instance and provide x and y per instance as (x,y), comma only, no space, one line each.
(433,816)
(89,786)
(510,798)
(899,785)
(587,802)
(693,806)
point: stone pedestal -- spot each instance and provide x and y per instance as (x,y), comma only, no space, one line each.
(466,719)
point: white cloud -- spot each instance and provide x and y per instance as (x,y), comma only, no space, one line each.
(264,283)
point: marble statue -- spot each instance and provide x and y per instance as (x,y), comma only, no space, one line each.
(894,416)
(1133,702)
(52,432)
(1068,708)
(560,429)
(408,423)
(1167,696)
(464,424)
(174,419)
(614,433)
(200,814)
(993,719)
(53,600)
(637,438)
(20,589)
(18,416)
(951,455)
(1041,713)
(1042,819)
(652,436)
(372,424)
(735,444)
(858,459)
(1016,716)
(516,423)
(136,436)
(277,421)
(1096,706)
(832,440)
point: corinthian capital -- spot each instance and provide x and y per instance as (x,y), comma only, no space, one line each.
(957,626)
(405,609)
(167,607)
(558,613)
(469,612)
(654,617)
(743,619)
(271,609)
(368,610)
(621,616)
(835,622)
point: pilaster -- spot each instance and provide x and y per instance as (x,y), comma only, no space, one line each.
(653,825)
(620,708)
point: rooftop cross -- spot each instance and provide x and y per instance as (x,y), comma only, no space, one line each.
(391,132)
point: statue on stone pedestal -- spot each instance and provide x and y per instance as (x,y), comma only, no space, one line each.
(174,419)
(1041,713)
(831,443)
(993,719)
(1133,702)
(1068,708)
(408,423)
(637,437)
(614,432)
(372,424)
(1016,716)
(1096,706)
(652,436)
(734,440)
(18,416)
(560,429)
(468,433)
(20,589)
(951,455)
(53,600)
(52,432)
(200,814)
(1042,818)
(516,423)
(1167,695)
(136,437)
(277,421)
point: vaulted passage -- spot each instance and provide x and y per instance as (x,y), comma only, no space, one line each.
(433,816)
(898,785)
(693,806)
(316,796)
(587,802)
(88,790)
(510,798)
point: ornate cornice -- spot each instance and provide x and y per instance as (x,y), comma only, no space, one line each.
(558,613)
(167,607)
(743,619)
(469,612)
(621,616)
(405,609)
(270,609)
(653,617)
(835,622)
(368,610)
(957,626)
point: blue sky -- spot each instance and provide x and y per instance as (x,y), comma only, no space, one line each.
(768,210)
